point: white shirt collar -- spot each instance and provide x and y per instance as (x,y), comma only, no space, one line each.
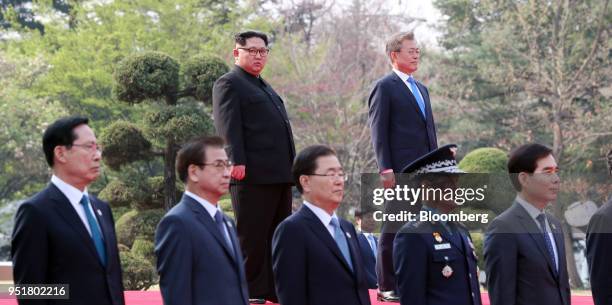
(210,208)
(530,208)
(73,194)
(403,76)
(321,214)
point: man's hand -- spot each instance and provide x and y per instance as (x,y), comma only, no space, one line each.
(238,172)
(388,179)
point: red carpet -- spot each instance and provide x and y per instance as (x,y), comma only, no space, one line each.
(154,298)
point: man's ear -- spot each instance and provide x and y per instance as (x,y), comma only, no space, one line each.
(59,154)
(191,173)
(305,182)
(522,178)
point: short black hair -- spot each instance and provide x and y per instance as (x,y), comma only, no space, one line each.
(61,133)
(241,38)
(306,162)
(525,159)
(194,152)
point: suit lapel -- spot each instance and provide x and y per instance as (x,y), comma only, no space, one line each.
(353,244)
(411,99)
(321,232)
(67,212)
(533,231)
(204,218)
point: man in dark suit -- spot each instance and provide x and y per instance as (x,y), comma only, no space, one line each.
(402,130)
(316,256)
(599,250)
(523,248)
(252,118)
(368,243)
(198,255)
(435,262)
(64,235)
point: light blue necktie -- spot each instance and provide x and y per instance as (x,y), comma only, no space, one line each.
(96,235)
(221,226)
(372,243)
(417,95)
(341,242)
(549,246)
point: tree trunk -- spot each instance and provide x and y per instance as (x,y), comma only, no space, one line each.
(572,270)
(169,164)
(169,175)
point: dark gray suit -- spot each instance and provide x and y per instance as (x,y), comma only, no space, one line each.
(195,264)
(519,268)
(400,135)
(51,245)
(599,254)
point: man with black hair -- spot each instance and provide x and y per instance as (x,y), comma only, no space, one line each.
(63,234)
(252,118)
(524,250)
(599,250)
(316,255)
(198,255)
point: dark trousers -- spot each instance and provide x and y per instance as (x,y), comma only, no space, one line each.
(385,273)
(259,208)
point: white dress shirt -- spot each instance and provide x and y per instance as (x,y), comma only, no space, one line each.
(404,77)
(74,195)
(323,216)
(210,208)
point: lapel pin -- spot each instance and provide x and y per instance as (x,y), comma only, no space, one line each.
(348,235)
(229,224)
(553,226)
(99,212)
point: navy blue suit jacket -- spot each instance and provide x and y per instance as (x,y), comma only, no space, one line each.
(418,266)
(195,264)
(599,254)
(519,268)
(399,132)
(51,245)
(309,267)
(369,260)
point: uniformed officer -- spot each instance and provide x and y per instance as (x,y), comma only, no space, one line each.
(435,261)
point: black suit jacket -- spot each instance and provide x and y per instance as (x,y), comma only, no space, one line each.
(51,245)
(399,132)
(252,118)
(309,267)
(519,268)
(195,265)
(599,254)
(369,259)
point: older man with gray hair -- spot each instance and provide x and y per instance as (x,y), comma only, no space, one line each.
(402,130)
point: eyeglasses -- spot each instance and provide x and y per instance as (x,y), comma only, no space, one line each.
(412,52)
(253,51)
(91,147)
(219,165)
(338,175)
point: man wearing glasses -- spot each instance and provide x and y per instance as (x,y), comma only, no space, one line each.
(316,254)
(524,250)
(252,118)
(402,130)
(198,255)
(64,235)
